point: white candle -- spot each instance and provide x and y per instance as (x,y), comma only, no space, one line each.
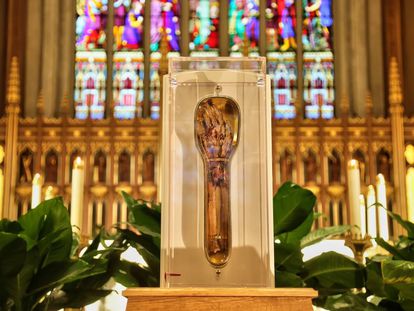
(372,212)
(354,190)
(410,193)
(36,190)
(382,210)
(49,193)
(76,202)
(362,213)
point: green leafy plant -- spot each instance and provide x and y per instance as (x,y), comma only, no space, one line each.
(143,234)
(294,216)
(389,280)
(37,263)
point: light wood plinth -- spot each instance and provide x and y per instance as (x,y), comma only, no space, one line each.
(219,299)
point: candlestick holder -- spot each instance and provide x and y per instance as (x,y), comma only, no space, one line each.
(358,245)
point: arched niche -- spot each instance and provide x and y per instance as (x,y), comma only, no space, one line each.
(26,166)
(99,167)
(310,165)
(361,158)
(124,167)
(286,166)
(334,167)
(51,167)
(148,167)
(384,163)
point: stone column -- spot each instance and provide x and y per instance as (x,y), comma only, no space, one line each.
(341,50)
(398,146)
(50,54)
(357,55)
(33,56)
(66,59)
(375,56)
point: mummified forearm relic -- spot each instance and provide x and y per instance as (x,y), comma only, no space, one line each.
(217,120)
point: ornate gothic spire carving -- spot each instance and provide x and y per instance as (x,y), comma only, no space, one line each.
(369,106)
(40,104)
(344,105)
(13,87)
(395,93)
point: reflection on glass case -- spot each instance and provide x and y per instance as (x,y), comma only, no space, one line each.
(216,174)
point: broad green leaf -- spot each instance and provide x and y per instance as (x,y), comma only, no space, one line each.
(58,273)
(294,236)
(333,270)
(287,279)
(398,272)
(146,220)
(131,274)
(389,248)
(49,225)
(374,283)
(16,286)
(291,206)
(349,302)
(288,257)
(322,234)
(409,226)
(12,254)
(10,226)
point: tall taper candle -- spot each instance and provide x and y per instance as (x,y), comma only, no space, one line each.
(371,212)
(382,211)
(76,203)
(362,213)
(410,193)
(354,190)
(36,190)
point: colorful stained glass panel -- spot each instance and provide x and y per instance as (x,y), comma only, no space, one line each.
(244,24)
(282,68)
(318,79)
(165,16)
(128,84)
(90,59)
(128,24)
(317,25)
(280,25)
(90,24)
(90,81)
(203,26)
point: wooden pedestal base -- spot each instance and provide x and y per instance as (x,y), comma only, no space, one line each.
(219,299)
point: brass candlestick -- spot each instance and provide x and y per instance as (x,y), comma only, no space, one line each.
(358,245)
(217,121)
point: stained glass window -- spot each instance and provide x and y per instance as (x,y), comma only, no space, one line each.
(90,60)
(281,54)
(204,27)
(283,70)
(318,62)
(164,19)
(244,25)
(128,62)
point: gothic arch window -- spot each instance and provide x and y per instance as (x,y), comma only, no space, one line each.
(120,68)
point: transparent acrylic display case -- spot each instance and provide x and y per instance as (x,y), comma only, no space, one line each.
(216,191)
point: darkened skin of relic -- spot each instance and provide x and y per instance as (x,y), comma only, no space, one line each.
(217,123)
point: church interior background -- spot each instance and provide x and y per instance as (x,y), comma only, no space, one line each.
(84,78)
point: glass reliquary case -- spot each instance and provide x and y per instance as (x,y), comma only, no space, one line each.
(216,187)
